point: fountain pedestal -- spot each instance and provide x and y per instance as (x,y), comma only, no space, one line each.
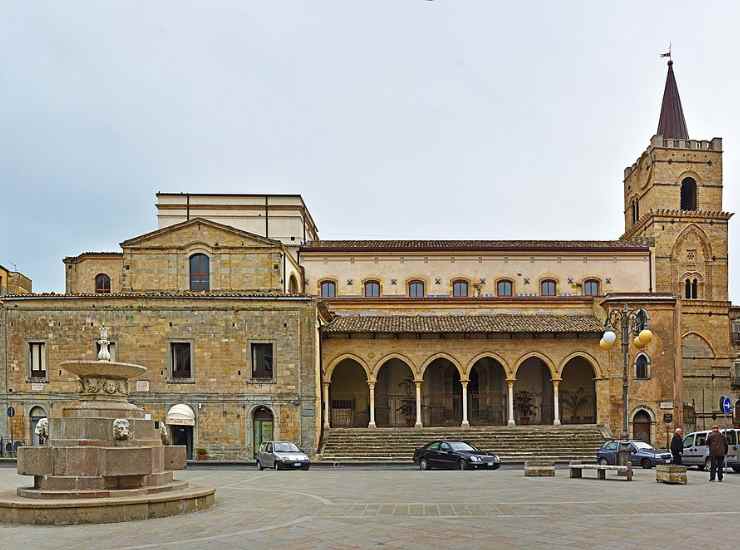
(104,461)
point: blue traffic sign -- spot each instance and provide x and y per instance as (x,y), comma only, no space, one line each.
(726,404)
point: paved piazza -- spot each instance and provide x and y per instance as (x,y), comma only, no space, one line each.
(405,508)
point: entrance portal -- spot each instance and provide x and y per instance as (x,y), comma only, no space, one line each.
(181,419)
(183,435)
(395,395)
(578,393)
(263,427)
(441,401)
(533,395)
(487,393)
(641,426)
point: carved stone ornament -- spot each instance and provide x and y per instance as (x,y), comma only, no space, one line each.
(120,429)
(42,429)
(106,386)
(164,434)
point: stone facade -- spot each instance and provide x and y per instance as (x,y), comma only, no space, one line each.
(14,282)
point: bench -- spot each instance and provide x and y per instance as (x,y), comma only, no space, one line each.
(539,468)
(576,470)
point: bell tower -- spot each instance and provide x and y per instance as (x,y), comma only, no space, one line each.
(673,201)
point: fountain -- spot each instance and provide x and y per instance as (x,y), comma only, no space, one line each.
(103,460)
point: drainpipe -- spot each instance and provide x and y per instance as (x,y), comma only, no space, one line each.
(267,218)
(187,206)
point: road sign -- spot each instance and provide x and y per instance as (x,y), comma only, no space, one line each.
(10,411)
(667,418)
(726,404)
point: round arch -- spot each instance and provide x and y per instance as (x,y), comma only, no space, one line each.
(442,355)
(544,358)
(36,413)
(383,360)
(583,355)
(264,425)
(490,355)
(329,373)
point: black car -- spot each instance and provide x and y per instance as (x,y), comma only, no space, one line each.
(454,454)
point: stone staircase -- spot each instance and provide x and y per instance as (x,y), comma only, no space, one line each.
(514,444)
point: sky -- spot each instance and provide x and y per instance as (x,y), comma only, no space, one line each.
(393,118)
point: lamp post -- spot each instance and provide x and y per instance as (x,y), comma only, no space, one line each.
(633,325)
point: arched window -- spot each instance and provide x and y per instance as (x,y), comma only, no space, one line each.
(691,289)
(328,289)
(635,210)
(460,288)
(293,285)
(102,284)
(416,289)
(688,194)
(548,287)
(372,289)
(504,288)
(200,276)
(642,367)
(591,287)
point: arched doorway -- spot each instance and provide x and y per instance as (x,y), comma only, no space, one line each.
(395,395)
(642,426)
(577,392)
(264,426)
(441,401)
(293,284)
(349,396)
(36,414)
(533,394)
(487,393)
(181,420)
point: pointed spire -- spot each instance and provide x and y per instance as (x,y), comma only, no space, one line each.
(672,124)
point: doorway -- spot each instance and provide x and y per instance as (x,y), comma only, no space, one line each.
(263,427)
(36,414)
(641,426)
(183,435)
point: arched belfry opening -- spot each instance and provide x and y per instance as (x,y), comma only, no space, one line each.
(688,194)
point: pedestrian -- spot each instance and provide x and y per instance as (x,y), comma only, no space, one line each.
(677,446)
(717,444)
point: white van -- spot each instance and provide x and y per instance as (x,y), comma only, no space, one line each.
(696,453)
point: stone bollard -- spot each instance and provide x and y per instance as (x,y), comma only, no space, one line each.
(539,468)
(671,473)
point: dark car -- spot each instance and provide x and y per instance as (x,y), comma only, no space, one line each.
(641,454)
(454,454)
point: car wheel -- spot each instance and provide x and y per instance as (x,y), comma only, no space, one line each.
(646,464)
(306,467)
(461,465)
(259,466)
(423,464)
(275,466)
(496,466)
(603,462)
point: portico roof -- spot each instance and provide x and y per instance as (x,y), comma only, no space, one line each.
(504,323)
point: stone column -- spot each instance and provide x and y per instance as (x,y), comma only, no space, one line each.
(510,402)
(465,403)
(418,404)
(372,404)
(556,402)
(326,405)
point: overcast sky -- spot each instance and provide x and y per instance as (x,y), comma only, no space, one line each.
(393,118)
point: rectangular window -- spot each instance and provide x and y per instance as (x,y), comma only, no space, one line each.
(111,349)
(181,359)
(37,360)
(262,361)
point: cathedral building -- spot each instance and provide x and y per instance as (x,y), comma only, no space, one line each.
(252,327)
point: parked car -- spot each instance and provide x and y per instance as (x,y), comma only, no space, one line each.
(696,453)
(641,454)
(454,454)
(282,454)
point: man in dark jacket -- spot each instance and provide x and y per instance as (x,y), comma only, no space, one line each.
(677,446)
(717,444)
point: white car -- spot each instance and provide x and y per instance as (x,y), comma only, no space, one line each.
(282,455)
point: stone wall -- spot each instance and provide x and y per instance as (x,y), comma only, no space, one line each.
(222,393)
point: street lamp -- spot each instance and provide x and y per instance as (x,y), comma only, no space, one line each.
(634,326)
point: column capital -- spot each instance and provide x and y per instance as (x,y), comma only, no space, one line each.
(371,383)
(510,381)
(556,381)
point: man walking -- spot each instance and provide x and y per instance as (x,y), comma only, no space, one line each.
(717,444)
(677,446)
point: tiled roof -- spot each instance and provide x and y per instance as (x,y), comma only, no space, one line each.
(162,294)
(493,323)
(420,245)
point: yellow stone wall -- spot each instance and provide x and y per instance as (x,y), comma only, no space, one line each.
(82,270)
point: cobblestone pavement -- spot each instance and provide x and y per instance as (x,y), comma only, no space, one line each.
(353,508)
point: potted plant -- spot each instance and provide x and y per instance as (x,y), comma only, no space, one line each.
(201,453)
(524,406)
